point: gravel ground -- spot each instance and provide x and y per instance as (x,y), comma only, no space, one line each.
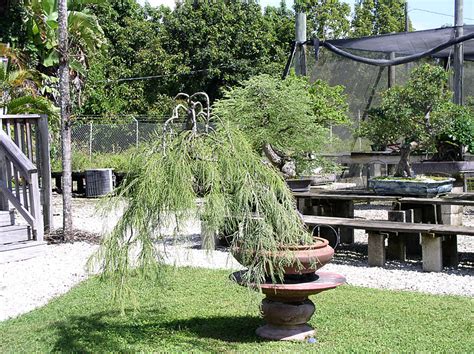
(33,280)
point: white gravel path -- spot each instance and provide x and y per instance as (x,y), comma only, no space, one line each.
(30,283)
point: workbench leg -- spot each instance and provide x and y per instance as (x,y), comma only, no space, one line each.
(345,209)
(432,253)
(396,247)
(300,204)
(57,183)
(81,185)
(413,246)
(451,215)
(376,243)
(450,251)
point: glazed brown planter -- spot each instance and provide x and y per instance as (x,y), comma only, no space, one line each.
(308,258)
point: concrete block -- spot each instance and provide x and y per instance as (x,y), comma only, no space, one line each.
(432,253)
(451,214)
(209,236)
(376,249)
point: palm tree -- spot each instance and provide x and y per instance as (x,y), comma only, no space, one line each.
(84,36)
(65,105)
(63,39)
(84,32)
(20,88)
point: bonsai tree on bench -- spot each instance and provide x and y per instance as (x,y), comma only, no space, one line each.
(285,120)
(415,115)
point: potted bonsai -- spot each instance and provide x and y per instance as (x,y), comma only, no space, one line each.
(286,121)
(415,116)
(202,158)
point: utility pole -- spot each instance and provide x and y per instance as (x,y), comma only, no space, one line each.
(300,57)
(458,53)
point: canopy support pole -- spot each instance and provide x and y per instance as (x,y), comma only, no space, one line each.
(391,72)
(300,59)
(458,53)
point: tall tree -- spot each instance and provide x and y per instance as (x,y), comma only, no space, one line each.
(281,22)
(372,17)
(65,105)
(326,18)
(221,43)
(135,36)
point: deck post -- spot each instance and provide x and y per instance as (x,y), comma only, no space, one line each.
(45,172)
(432,253)
(376,248)
(4,164)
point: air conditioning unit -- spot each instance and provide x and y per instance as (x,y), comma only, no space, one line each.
(99,182)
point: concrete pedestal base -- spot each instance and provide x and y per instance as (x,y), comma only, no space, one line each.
(287,309)
(286,320)
(297,333)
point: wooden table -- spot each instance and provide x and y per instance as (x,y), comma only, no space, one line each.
(447,210)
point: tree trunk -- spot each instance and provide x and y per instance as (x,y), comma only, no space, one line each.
(404,168)
(65,104)
(283,163)
(272,156)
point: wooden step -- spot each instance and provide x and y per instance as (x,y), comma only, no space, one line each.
(14,233)
(7,218)
(22,250)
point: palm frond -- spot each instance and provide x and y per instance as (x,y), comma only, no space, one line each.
(32,104)
(85,27)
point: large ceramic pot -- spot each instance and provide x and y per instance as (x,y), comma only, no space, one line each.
(307,258)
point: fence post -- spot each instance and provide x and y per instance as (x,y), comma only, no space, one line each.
(45,172)
(90,141)
(136,124)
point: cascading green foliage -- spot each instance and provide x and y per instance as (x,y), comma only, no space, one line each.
(291,115)
(215,176)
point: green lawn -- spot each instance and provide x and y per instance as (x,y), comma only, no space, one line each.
(201,310)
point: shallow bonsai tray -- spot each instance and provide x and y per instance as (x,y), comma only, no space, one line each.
(299,184)
(420,188)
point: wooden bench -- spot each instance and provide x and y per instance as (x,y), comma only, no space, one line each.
(431,236)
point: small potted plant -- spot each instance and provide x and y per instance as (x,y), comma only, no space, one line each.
(286,121)
(413,115)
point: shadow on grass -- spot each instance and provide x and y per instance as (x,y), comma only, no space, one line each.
(150,330)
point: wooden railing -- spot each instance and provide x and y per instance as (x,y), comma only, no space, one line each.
(26,170)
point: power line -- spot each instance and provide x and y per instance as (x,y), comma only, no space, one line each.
(162,75)
(438,13)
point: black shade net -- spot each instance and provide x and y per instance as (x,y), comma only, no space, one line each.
(410,43)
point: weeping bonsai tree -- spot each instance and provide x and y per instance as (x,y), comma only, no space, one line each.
(200,167)
(415,115)
(285,120)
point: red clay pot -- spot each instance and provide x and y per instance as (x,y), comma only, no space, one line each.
(308,258)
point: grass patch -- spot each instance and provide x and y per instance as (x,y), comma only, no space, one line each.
(201,310)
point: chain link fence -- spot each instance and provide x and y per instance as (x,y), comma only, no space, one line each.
(93,136)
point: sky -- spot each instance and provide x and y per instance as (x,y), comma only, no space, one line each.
(421,12)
